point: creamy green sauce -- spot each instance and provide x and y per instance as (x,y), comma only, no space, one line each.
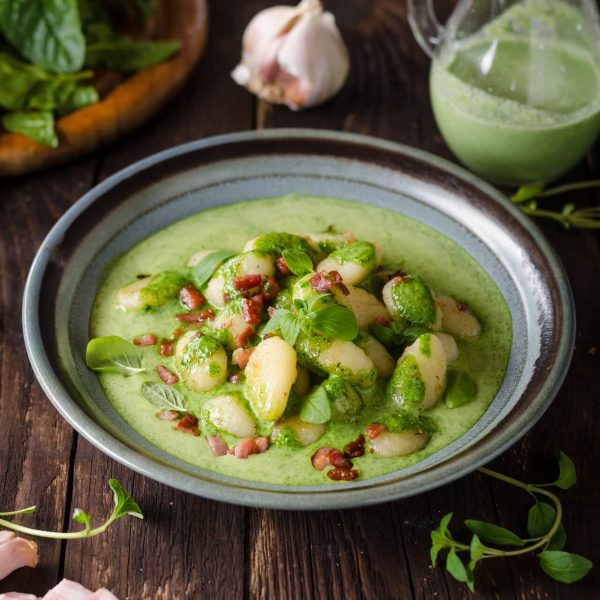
(406,244)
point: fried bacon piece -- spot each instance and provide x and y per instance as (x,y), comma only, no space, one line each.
(167,375)
(188,424)
(190,297)
(148,339)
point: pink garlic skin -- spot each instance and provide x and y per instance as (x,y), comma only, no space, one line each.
(293,56)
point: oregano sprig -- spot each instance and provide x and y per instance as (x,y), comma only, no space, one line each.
(546,534)
(527,196)
(124,504)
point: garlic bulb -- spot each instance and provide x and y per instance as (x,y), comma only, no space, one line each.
(293,55)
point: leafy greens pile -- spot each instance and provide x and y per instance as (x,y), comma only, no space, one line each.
(45,48)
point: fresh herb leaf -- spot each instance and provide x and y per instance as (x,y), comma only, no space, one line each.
(565,567)
(122,53)
(124,503)
(113,354)
(440,538)
(290,328)
(567,476)
(37,125)
(81,97)
(337,322)
(46,32)
(82,517)
(204,270)
(456,568)
(527,192)
(540,519)
(559,539)
(298,262)
(476,551)
(494,533)
(316,407)
(163,396)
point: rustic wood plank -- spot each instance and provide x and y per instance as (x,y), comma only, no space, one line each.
(187,547)
(35,442)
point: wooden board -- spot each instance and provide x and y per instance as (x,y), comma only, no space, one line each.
(127,104)
(193,548)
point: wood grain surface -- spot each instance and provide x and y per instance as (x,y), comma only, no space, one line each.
(188,547)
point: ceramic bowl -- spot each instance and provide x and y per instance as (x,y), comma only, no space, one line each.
(179,182)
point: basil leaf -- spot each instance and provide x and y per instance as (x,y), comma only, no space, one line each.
(540,519)
(559,539)
(163,396)
(82,96)
(476,550)
(336,322)
(316,407)
(82,517)
(275,321)
(37,125)
(567,476)
(297,262)
(455,567)
(122,53)
(204,270)
(124,503)
(113,354)
(565,567)
(46,32)
(494,533)
(527,192)
(290,328)
(440,538)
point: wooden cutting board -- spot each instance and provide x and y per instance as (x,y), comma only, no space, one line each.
(125,103)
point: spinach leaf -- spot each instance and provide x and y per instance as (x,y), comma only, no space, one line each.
(125,54)
(113,354)
(46,32)
(37,125)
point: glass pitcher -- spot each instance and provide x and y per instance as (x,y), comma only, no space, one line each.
(514,84)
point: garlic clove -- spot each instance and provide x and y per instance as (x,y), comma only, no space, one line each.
(293,55)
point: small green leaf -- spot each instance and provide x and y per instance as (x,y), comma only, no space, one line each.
(494,533)
(540,519)
(37,125)
(559,539)
(445,521)
(455,566)
(82,517)
(567,476)
(124,503)
(290,328)
(113,354)
(438,543)
(477,550)
(526,192)
(337,322)
(460,389)
(203,271)
(163,396)
(316,407)
(298,262)
(565,567)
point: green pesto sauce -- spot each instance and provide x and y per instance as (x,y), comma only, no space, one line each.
(406,245)
(406,385)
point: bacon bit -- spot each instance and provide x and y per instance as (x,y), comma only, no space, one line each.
(269,288)
(166,347)
(339,460)
(320,459)
(168,415)
(337,279)
(236,378)
(374,430)
(178,333)
(342,474)
(244,448)
(271,311)
(190,297)
(148,339)
(241,356)
(189,424)
(242,338)
(217,445)
(379,268)
(261,444)
(282,267)
(381,320)
(206,315)
(167,375)
(398,277)
(251,310)
(320,283)
(356,448)
(343,289)
(246,282)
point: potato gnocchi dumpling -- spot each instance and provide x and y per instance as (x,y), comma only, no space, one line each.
(201,360)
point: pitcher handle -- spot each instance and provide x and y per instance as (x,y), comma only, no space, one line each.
(424,25)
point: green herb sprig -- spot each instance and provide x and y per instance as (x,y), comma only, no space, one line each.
(124,505)
(546,534)
(527,197)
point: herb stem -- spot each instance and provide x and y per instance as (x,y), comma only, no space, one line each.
(59,535)
(569,187)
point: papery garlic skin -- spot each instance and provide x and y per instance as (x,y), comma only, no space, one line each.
(293,56)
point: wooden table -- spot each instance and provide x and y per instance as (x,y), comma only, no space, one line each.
(188,547)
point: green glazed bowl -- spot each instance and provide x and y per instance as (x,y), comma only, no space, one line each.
(182,181)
